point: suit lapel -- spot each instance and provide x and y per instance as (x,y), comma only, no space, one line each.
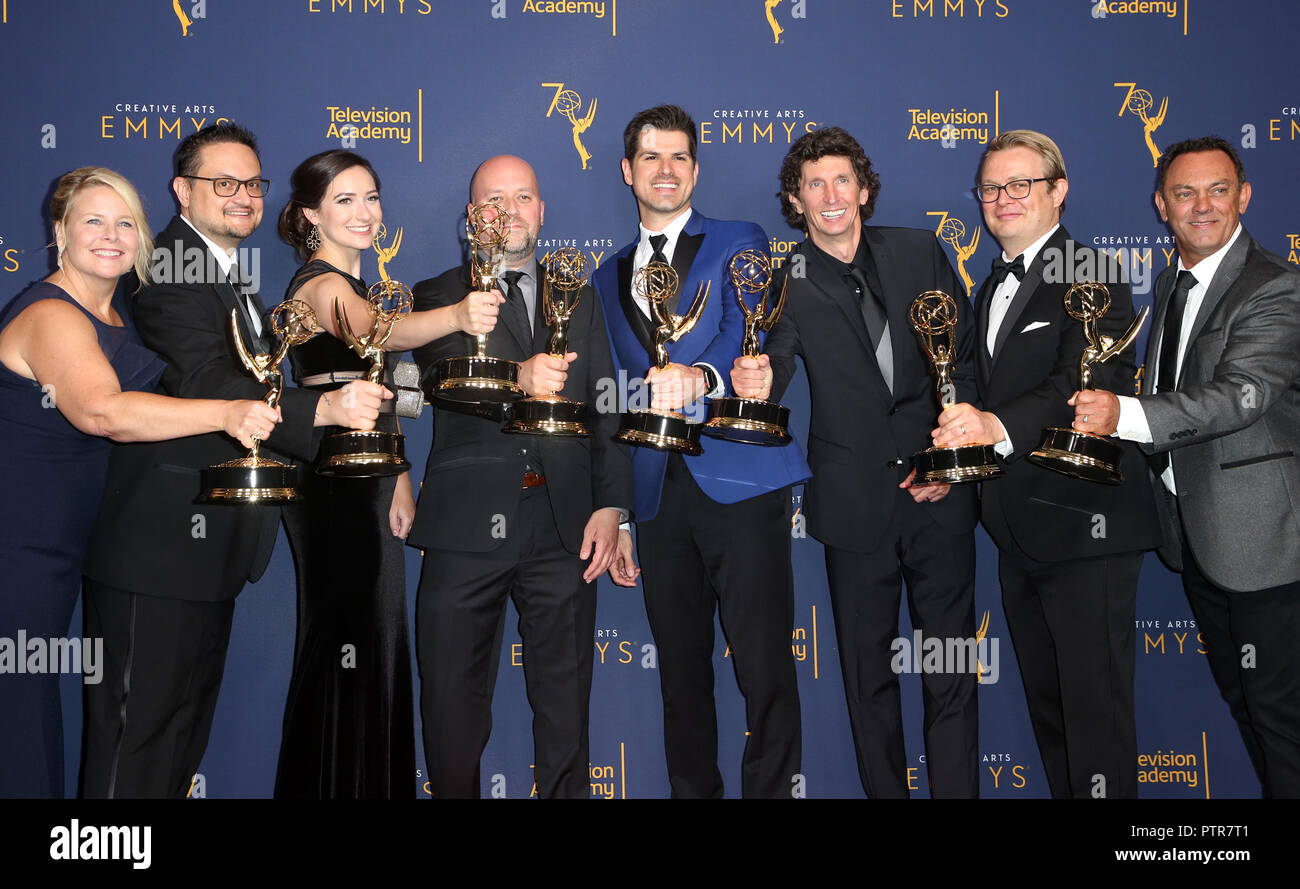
(226,289)
(638,322)
(1225,276)
(880,262)
(541,330)
(834,292)
(982,300)
(1164,287)
(688,244)
(1024,293)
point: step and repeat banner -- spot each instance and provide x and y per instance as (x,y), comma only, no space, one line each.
(426,89)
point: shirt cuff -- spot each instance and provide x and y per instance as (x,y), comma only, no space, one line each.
(625,526)
(718,390)
(1004,448)
(622,514)
(1132,423)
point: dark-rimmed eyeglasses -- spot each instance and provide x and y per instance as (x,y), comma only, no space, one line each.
(1016,188)
(226,187)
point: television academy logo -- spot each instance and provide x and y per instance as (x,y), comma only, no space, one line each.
(568,102)
(351,125)
(1139,103)
(951,230)
(1168,9)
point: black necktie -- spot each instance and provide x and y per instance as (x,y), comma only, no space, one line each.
(242,283)
(1167,366)
(657,243)
(873,313)
(1002,268)
(515,301)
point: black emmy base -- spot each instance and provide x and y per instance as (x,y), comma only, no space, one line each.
(661,430)
(749,421)
(954,466)
(356,454)
(475,380)
(250,480)
(1080,455)
(548,415)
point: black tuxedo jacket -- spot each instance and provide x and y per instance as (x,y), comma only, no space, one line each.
(472,483)
(1034,369)
(151,537)
(858,428)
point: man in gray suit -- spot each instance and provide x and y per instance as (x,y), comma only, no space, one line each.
(1220,416)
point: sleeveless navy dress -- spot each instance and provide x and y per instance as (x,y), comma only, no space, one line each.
(349,723)
(54,477)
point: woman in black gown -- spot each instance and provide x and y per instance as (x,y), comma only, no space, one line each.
(73,378)
(349,727)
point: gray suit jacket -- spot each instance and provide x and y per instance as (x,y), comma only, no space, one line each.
(1233,425)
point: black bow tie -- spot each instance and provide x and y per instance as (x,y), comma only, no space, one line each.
(1002,268)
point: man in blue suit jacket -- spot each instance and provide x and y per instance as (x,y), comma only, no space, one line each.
(715,527)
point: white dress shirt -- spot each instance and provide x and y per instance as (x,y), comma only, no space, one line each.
(999,302)
(641,258)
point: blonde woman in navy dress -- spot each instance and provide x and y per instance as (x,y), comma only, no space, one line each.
(73,378)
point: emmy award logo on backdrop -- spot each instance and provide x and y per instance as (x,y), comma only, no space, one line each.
(951,230)
(769,9)
(197,10)
(386,254)
(567,103)
(1138,102)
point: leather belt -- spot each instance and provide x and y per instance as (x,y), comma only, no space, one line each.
(533,479)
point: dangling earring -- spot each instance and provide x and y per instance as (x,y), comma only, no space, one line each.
(313,239)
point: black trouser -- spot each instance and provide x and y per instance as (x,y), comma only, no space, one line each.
(460,617)
(698,555)
(1250,642)
(939,570)
(1072,623)
(147,722)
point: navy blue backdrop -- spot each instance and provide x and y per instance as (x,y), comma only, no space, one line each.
(428,88)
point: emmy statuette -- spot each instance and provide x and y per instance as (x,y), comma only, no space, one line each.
(664,430)
(752,420)
(1093,458)
(256,479)
(934,317)
(373,454)
(567,271)
(479,378)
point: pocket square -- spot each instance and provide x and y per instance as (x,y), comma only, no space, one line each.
(1035,325)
